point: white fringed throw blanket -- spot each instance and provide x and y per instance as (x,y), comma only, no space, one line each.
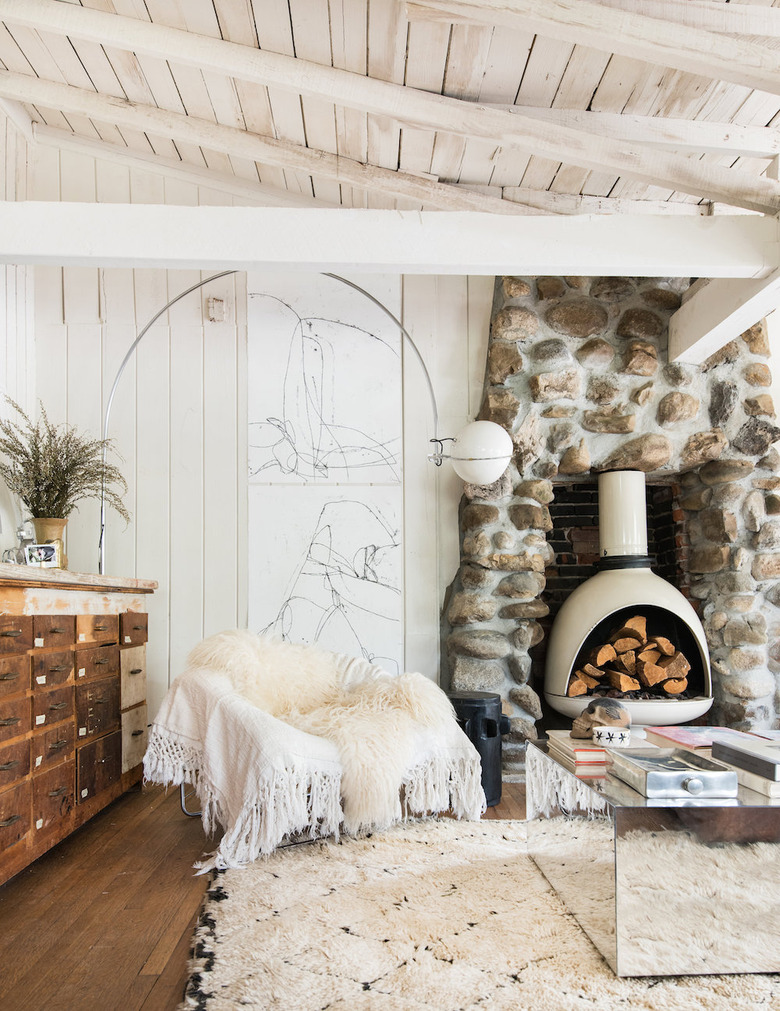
(281,739)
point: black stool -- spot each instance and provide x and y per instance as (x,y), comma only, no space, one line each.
(480,718)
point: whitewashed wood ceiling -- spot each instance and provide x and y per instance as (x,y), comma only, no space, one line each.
(514,106)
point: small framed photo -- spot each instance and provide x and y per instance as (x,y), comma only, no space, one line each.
(44,556)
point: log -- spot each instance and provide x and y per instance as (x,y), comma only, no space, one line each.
(649,656)
(626,643)
(588,679)
(623,682)
(664,646)
(676,666)
(649,674)
(594,672)
(638,624)
(627,661)
(577,687)
(602,655)
(675,685)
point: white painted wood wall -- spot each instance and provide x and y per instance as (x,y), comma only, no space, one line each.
(179,420)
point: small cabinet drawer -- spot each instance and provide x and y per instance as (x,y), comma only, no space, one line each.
(97,708)
(14,675)
(133,628)
(14,761)
(135,734)
(54,630)
(99,765)
(96,663)
(16,633)
(49,670)
(54,795)
(14,718)
(53,746)
(133,661)
(53,706)
(15,809)
(97,628)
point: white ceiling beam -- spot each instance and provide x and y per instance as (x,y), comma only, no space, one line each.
(627,33)
(709,15)
(406,105)
(242,144)
(19,116)
(684,135)
(717,312)
(368,241)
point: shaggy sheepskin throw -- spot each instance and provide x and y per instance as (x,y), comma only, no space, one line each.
(282,738)
(437,914)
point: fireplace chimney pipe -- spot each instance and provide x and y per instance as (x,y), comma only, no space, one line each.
(622,514)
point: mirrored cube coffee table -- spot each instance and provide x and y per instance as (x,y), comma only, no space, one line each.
(661,887)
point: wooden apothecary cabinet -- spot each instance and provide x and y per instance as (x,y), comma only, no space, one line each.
(73,717)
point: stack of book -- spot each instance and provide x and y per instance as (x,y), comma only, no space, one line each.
(583,757)
(754,757)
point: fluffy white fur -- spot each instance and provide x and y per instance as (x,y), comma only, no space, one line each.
(373,718)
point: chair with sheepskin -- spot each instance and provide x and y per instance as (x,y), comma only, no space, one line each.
(281,739)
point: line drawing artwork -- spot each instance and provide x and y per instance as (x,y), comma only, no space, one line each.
(324,456)
(326,429)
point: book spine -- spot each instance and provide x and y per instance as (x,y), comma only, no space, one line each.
(751,763)
(592,756)
(767,787)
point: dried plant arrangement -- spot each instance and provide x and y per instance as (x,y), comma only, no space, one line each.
(52,467)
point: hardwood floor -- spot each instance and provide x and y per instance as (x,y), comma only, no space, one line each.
(103,921)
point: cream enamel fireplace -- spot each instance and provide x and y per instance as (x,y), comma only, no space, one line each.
(626,586)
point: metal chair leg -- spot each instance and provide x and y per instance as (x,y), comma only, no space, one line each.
(183,801)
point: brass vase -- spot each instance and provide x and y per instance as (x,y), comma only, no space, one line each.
(50,530)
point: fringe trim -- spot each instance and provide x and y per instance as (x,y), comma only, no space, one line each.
(550,787)
(443,784)
(168,760)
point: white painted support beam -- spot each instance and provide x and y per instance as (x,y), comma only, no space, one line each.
(18,115)
(710,15)
(268,238)
(717,312)
(351,90)
(684,135)
(627,33)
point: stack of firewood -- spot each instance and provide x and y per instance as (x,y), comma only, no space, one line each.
(630,661)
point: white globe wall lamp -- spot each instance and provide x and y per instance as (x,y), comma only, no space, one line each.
(481,451)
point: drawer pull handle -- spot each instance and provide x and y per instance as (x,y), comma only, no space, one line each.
(58,705)
(58,631)
(136,733)
(99,702)
(101,628)
(9,765)
(59,667)
(11,633)
(10,821)
(58,745)
(137,670)
(101,661)
(9,721)
(58,792)
(8,677)
(139,628)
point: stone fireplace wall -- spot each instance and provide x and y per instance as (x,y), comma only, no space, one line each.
(578,374)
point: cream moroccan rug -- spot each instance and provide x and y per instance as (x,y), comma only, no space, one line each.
(443,915)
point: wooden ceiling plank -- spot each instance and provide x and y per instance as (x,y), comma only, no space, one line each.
(431,111)
(426,59)
(717,312)
(117,235)
(712,16)
(628,33)
(236,21)
(386,49)
(212,137)
(349,49)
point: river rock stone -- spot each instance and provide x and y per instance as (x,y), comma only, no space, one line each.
(724,397)
(514,323)
(503,540)
(676,407)
(762,404)
(530,517)
(758,374)
(576,459)
(703,446)
(540,491)
(757,685)
(528,441)
(721,471)
(747,631)
(677,374)
(476,545)
(754,511)
(595,353)
(499,489)
(559,411)
(501,406)
(526,698)
(766,566)
(612,289)
(515,287)
(755,437)
(579,317)
(523,586)
(641,323)
(662,298)
(773,505)
(602,389)
(481,643)
(472,675)
(526,609)
(580,283)
(647,453)
(475,577)
(768,537)
(521,730)
(708,559)
(609,420)
(552,353)
(718,525)
(470,608)
(520,667)
(549,287)
(554,386)
(771,461)
(726,355)
(527,635)
(477,514)
(697,500)
(638,362)
(504,360)
(643,394)
(757,339)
